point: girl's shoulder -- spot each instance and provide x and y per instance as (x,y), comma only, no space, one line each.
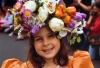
(15,63)
(80,59)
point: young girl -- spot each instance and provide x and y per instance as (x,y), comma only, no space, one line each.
(47,48)
(47,51)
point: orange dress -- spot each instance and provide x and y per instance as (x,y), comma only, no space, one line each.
(80,59)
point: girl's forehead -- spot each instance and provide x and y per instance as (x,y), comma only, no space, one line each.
(42,31)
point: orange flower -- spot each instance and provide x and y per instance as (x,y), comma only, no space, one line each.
(60,11)
(67,19)
(71,11)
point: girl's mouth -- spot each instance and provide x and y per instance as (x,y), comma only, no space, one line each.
(48,51)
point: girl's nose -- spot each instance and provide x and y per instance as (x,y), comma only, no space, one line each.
(46,42)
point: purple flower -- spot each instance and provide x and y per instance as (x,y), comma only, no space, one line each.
(35,29)
(83,15)
(78,17)
(61,2)
(77,12)
(71,25)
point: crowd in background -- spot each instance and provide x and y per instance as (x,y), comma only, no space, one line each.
(84,6)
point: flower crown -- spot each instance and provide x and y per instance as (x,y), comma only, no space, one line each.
(32,15)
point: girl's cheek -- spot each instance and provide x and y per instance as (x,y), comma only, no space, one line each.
(38,44)
(37,47)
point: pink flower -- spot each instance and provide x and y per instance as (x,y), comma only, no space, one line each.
(27,13)
(18,5)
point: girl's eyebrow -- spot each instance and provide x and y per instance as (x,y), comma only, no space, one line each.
(46,34)
(37,36)
(50,33)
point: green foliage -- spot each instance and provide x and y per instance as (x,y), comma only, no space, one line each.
(72,38)
(78,39)
(72,41)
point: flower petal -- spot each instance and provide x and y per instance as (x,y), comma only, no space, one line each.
(62,33)
(35,29)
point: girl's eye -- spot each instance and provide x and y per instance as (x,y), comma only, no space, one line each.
(51,36)
(38,39)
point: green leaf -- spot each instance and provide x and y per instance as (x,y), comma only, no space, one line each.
(78,39)
(72,41)
(69,38)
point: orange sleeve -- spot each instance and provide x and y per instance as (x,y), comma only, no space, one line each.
(81,59)
(12,63)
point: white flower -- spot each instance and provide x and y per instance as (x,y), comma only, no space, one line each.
(84,23)
(78,30)
(31,5)
(39,23)
(51,7)
(43,12)
(56,24)
(62,33)
(77,23)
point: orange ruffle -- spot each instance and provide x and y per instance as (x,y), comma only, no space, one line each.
(15,63)
(80,59)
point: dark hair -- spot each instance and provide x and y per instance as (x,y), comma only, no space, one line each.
(97,4)
(37,61)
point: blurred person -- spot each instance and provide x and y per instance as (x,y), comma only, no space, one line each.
(7,4)
(93,25)
(83,6)
(1,14)
(1,17)
(9,21)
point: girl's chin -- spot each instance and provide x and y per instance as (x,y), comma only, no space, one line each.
(49,57)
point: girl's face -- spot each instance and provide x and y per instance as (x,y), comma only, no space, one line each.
(46,44)
(96,9)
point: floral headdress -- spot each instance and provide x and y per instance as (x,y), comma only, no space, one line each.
(65,20)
